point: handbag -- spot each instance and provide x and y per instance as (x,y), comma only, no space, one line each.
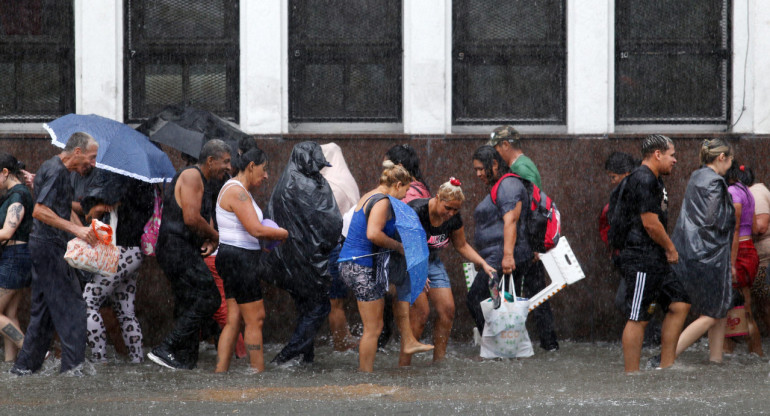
(101,258)
(151,229)
(505,332)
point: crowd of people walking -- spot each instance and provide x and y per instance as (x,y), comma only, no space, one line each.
(319,238)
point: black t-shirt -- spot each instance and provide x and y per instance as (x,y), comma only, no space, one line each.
(54,190)
(644,193)
(438,237)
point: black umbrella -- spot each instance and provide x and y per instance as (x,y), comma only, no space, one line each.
(187,129)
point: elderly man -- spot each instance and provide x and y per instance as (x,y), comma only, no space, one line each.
(186,236)
(57,302)
(507,142)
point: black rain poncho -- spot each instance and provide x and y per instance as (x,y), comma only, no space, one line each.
(303,203)
(703,237)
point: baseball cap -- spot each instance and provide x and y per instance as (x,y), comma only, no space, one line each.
(503,133)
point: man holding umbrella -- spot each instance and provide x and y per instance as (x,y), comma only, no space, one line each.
(57,302)
(186,236)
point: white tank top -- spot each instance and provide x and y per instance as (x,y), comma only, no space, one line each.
(231,231)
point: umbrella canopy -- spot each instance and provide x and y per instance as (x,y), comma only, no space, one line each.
(415,245)
(122,149)
(187,129)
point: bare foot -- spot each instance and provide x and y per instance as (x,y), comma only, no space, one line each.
(350,343)
(416,347)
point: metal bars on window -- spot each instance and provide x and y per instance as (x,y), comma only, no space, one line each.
(509,62)
(672,61)
(182,51)
(345,61)
(37,76)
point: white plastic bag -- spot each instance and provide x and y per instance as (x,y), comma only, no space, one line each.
(505,332)
(101,258)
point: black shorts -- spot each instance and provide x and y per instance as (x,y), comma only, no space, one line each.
(647,285)
(238,268)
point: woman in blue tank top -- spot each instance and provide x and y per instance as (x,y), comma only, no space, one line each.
(371,232)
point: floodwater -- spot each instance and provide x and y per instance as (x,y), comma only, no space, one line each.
(581,378)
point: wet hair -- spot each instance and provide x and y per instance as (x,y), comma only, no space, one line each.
(448,192)
(486,155)
(736,174)
(394,174)
(246,144)
(213,148)
(8,161)
(80,141)
(655,142)
(255,155)
(711,149)
(406,156)
(620,163)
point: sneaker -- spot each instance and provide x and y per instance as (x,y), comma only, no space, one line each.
(551,348)
(76,371)
(20,371)
(160,356)
(653,362)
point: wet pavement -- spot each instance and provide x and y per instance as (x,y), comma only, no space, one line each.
(581,378)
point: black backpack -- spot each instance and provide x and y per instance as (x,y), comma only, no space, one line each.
(618,217)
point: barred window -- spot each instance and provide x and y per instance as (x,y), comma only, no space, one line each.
(181,51)
(672,62)
(509,62)
(37,75)
(345,61)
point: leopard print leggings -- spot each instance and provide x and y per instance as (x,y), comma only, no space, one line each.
(120,288)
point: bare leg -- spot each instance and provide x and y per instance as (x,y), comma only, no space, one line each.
(9,324)
(633,335)
(228,336)
(409,344)
(338,325)
(716,339)
(755,338)
(445,313)
(672,328)
(693,332)
(254,317)
(418,316)
(371,317)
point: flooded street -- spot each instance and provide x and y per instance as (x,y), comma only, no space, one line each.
(581,378)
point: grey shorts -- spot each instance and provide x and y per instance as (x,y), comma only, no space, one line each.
(362,280)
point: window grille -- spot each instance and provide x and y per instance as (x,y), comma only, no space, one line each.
(672,61)
(509,62)
(37,76)
(345,61)
(181,51)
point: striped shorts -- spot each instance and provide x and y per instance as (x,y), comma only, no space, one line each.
(648,287)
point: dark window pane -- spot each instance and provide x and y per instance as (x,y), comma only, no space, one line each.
(345,60)
(182,52)
(673,61)
(509,62)
(36,60)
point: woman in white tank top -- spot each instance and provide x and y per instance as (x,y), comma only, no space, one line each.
(240,228)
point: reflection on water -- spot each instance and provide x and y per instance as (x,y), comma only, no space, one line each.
(581,378)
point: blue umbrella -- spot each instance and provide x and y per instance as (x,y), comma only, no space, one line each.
(415,245)
(122,149)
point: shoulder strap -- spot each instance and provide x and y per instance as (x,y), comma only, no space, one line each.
(493,191)
(228,184)
(368,206)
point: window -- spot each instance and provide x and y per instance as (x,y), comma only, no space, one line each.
(345,61)
(37,76)
(509,62)
(181,51)
(672,61)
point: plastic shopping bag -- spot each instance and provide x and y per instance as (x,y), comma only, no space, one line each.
(505,332)
(101,258)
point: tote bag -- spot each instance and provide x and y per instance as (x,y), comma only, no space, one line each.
(505,332)
(101,258)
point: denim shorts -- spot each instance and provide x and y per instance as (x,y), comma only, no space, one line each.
(15,267)
(439,279)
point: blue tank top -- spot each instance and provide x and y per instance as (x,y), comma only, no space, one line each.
(356,243)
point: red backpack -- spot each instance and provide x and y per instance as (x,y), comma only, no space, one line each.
(544,220)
